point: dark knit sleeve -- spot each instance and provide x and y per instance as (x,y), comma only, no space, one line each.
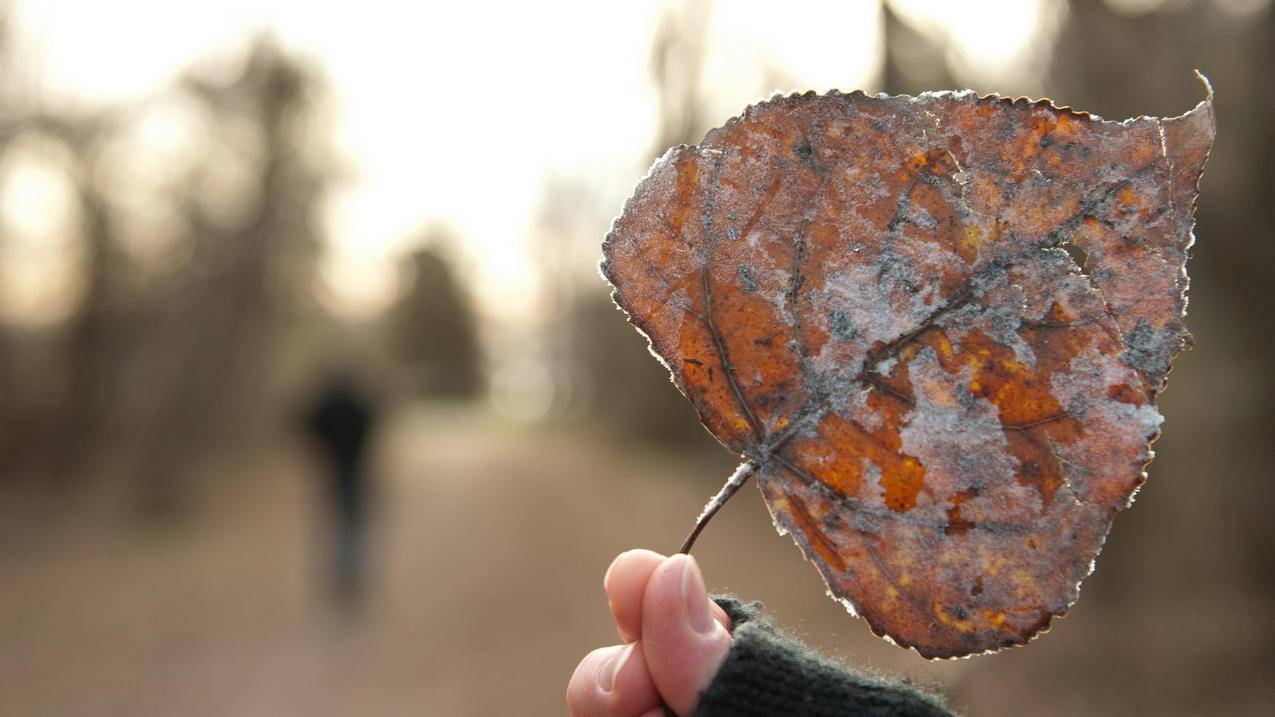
(768,673)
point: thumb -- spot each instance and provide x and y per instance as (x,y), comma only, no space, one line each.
(682,635)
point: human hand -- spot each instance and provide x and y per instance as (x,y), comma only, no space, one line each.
(675,639)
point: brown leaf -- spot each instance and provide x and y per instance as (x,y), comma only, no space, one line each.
(935,326)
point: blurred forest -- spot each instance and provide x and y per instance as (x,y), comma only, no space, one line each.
(190,322)
(158,377)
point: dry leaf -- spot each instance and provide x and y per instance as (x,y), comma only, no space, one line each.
(935,326)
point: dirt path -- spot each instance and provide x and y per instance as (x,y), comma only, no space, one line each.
(489,558)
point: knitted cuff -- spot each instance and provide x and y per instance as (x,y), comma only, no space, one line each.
(768,673)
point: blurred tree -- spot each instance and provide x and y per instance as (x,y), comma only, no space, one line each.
(1138,60)
(914,61)
(677,60)
(628,392)
(98,336)
(251,212)
(92,344)
(161,361)
(1199,542)
(8,382)
(432,327)
(1209,524)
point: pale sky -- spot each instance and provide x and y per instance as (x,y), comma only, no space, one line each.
(455,112)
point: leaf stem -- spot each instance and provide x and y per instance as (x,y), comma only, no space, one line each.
(734,483)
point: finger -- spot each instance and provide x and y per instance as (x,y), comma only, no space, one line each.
(624,583)
(684,639)
(612,682)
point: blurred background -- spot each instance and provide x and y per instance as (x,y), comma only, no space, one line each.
(312,400)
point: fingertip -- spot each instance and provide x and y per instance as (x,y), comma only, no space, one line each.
(684,633)
(625,582)
(628,556)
